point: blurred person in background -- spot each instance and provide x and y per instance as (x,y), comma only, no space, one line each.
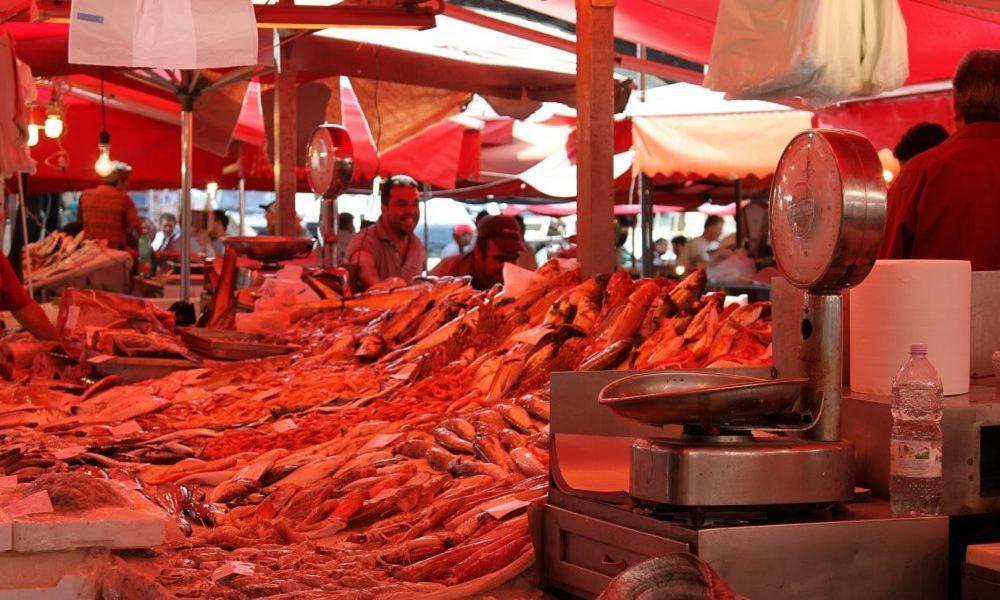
(169,231)
(217,229)
(526,260)
(945,204)
(108,213)
(462,237)
(919,138)
(345,233)
(678,245)
(697,252)
(498,241)
(660,249)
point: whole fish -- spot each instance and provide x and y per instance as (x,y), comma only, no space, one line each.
(461,427)
(490,449)
(439,458)
(512,439)
(474,467)
(527,463)
(489,421)
(535,406)
(450,440)
(517,416)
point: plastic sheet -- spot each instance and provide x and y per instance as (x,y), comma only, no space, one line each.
(821,50)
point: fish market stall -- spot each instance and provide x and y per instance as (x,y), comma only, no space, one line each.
(395,450)
(61,260)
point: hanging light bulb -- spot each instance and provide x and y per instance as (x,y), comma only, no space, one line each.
(887,175)
(32,134)
(104,166)
(53,125)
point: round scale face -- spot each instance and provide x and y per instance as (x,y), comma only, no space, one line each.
(806,209)
(321,161)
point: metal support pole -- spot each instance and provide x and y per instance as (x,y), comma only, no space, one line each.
(823,361)
(424,197)
(23,208)
(741,233)
(243,205)
(595,127)
(285,141)
(646,209)
(187,143)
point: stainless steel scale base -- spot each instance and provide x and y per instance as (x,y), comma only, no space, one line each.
(741,472)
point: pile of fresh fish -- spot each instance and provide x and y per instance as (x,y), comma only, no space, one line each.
(393,455)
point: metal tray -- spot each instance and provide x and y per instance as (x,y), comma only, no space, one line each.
(230,345)
(268,248)
(699,398)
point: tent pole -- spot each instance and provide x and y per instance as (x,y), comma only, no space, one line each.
(187,134)
(646,208)
(595,126)
(425,196)
(740,225)
(243,205)
(285,142)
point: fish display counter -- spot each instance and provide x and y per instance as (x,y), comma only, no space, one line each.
(393,451)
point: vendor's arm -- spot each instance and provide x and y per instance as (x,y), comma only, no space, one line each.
(35,322)
(29,314)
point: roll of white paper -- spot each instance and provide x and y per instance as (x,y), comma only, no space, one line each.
(903,302)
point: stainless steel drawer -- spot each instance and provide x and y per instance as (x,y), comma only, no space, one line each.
(582,554)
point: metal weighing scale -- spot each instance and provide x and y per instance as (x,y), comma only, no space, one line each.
(745,467)
(330,165)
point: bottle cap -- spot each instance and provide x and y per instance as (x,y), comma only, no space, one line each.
(918,348)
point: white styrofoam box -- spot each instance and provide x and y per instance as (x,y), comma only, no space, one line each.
(67,574)
(105,527)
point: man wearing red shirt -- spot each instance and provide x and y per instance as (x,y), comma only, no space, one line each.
(946,202)
(107,212)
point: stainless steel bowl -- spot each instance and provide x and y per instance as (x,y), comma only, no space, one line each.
(270,248)
(699,398)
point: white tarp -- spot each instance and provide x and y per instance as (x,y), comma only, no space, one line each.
(17,91)
(166,34)
(821,50)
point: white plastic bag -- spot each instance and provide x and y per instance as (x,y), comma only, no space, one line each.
(166,34)
(821,50)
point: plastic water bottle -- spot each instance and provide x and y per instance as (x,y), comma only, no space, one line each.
(915,447)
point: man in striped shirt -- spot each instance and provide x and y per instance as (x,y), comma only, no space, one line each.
(107,212)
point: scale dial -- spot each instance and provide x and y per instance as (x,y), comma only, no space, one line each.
(827,209)
(330,160)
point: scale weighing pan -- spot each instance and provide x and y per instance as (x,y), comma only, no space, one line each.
(699,398)
(270,248)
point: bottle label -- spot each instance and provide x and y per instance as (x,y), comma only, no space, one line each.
(915,458)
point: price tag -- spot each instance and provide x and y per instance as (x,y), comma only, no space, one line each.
(231,569)
(502,507)
(533,335)
(405,372)
(126,428)
(69,452)
(266,394)
(32,504)
(72,316)
(284,425)
(380,441)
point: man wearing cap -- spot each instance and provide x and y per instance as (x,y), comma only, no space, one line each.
(463,235)
(389,249)
(107,212)
(498,241)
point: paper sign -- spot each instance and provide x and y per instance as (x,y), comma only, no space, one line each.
(517,280)
(380,441)
(33,504)
(533,335)
(69,452)
(126,428)
(72,316)
(231,569)
(502,507)
(8,481)
(405,372)
(284,425)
